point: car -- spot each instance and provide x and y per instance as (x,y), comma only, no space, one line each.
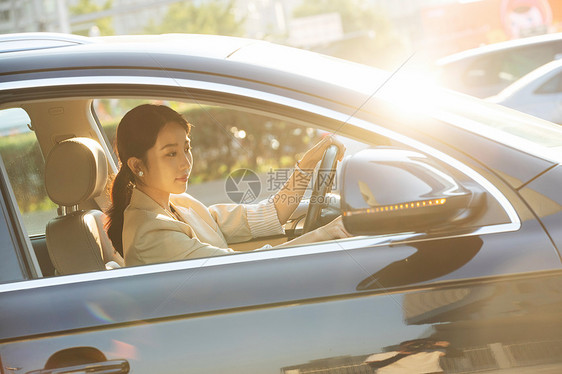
(538,93)
(485,71)
(453,203)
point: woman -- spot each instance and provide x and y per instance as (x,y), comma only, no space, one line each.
(151,218)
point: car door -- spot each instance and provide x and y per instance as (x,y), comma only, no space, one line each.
(316,307)
(462,300)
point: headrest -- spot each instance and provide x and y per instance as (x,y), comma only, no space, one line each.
(75,171)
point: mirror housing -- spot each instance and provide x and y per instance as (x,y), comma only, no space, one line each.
(389,190)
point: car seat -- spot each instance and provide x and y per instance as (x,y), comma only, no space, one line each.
(75,172)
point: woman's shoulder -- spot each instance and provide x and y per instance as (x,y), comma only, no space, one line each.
(139,217)
(187,201)
(143,210)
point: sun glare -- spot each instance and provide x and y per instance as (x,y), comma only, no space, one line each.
(414,93)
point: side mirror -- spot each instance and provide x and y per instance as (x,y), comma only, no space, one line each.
(388,190)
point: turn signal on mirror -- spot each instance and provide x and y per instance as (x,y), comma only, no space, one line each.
(397,207)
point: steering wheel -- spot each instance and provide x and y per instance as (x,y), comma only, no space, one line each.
(322,184)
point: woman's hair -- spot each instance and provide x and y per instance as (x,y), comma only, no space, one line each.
(136,134)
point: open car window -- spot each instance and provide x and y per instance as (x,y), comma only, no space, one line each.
(245,156)
(228,142)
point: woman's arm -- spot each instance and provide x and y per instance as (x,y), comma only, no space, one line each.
(288,198)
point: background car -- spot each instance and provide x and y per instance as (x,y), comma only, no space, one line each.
(454,205)
(538,93)
(485,71)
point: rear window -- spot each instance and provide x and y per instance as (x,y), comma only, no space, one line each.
(24,165)
(508,66)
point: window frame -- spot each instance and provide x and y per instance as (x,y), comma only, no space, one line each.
(273,105)
(22,248)
(555,80)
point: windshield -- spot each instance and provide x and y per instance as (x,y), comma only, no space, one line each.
(507,126)
(503,125)
(420,95)
(537,74)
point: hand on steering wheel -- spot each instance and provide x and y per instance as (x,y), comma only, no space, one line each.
(322,184)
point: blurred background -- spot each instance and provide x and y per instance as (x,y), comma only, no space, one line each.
(517,36)
(381,33)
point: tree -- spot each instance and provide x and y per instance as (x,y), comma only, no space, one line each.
(369,35)
(87,6)
(212,17)
(355,14)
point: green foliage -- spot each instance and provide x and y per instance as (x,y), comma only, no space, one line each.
(355,14)
(370,37)
(105,24)
(211,17)
(24,162)
(267,143)
(41,206)
(218,149)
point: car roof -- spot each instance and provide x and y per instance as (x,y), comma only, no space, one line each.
(34,41)
(188,52)
(257,66)
(196,44)
(501,46)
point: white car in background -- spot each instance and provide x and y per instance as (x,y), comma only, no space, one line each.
(538,93)
(485,71)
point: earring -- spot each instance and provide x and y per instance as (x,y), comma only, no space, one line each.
(141,173)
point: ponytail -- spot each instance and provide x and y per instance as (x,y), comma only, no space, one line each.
(121,191)
(136,134)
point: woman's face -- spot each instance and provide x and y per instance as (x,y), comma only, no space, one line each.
(168,162)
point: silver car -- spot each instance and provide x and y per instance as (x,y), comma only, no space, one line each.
(538,93)
(485,71)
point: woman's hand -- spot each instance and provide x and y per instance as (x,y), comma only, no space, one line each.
(332,230)
(315,154)
(288,197)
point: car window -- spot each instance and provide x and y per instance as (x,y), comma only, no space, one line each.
(483,71)
(10,264)
(521,61)
(553,85)
(226,142)
(24,164)
(508,66)
(227,139)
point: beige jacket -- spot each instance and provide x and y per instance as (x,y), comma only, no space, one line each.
(151,234)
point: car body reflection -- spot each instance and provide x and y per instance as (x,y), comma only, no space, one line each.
(430,261)
(494,328)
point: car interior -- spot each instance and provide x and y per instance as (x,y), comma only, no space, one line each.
(75,175)
(59,159)
(76,163)
(75,172)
